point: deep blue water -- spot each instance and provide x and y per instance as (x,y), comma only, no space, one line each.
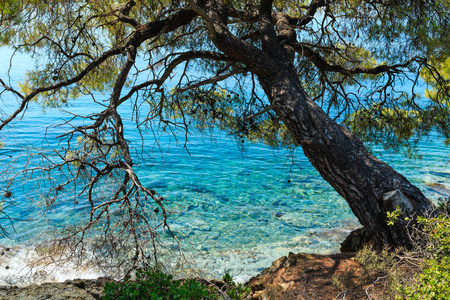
(237,210)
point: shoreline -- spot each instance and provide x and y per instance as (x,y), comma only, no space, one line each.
(296,276)
(286,276)
(241,263)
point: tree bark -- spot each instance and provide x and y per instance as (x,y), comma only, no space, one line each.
(366,183)
(344,162)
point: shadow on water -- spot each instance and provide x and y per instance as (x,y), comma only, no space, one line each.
(438,188)
(440,174)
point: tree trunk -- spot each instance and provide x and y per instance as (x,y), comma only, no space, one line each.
(371,187)
(343,161)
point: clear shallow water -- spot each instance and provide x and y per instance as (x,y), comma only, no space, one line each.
(236,211)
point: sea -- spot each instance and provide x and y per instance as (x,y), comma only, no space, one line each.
(237,206)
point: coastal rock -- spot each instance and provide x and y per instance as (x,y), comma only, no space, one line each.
(356,240)
(305,276)
(78,289)
(394,199)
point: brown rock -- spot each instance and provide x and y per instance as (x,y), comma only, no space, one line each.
(78,289)
(356,240)
(307,276)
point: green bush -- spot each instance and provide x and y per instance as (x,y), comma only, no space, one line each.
(235,291)
(153,284)
(419,273)
(156,285)
(376,263)
(433,282)
(438,231)
(380,266)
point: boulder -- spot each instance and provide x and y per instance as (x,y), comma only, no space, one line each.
(356,240)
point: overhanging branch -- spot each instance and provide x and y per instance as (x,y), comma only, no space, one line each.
(323,65)
(214,79)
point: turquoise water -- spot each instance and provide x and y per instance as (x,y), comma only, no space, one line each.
(236,207)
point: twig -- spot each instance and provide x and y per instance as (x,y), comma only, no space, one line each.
(372,285)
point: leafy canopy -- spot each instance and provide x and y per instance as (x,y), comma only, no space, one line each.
(339,47)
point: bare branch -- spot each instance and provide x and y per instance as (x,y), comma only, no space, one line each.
(213,79)
(258,113)
(323,65)
(60,84)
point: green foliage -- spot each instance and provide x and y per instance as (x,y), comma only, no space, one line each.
(419,24)
(156,285)
(429,76)
(392,216)
(444,205)
(235,291)
(439,235)
(394,127)
(9,7)
(433,282)
(65,37)
(402,120)
(204,109)
(378,263)
(419,273)
(153,284)
(380,267)
(343,280)
(438,91)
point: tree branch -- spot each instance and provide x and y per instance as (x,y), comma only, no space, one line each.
(323,65)
(211,80)
(142,33)
(186,56)
(310,13)
(60,84)
(258,113)
(234,47)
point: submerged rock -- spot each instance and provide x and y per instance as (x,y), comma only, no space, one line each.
(438,188)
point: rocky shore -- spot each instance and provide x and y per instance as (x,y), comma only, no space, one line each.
(296,276)
(310,276)
(78,289)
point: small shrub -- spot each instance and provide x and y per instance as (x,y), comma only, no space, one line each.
(235,291)
(156,285)
(153,284)
(377,263)
(392,216)
(444,205)
(382,267)
(425,269)
(438,230)
(343,280)
(433,282)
